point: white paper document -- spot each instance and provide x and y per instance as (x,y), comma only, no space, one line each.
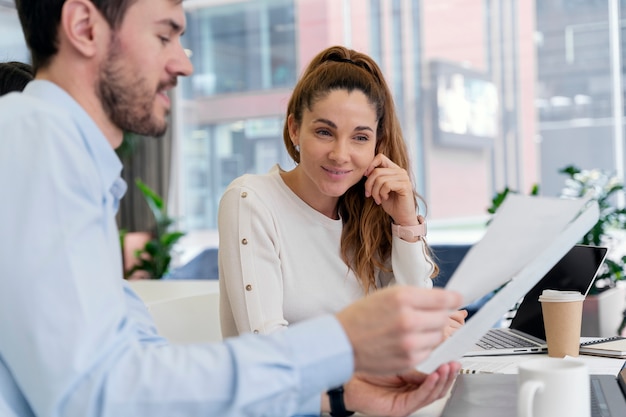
(525,239)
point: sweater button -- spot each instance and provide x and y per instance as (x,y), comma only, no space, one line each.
(244,194)
(248,287)
(244,241)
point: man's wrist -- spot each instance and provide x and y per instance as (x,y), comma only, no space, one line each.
(336,402)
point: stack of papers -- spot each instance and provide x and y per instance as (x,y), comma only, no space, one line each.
(525,239)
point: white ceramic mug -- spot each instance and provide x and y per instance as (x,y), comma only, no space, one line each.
(551,387)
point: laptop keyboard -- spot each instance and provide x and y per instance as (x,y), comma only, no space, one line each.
(495,339)
(599,407)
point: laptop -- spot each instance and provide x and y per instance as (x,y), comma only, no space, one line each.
(576,271)
(495,395)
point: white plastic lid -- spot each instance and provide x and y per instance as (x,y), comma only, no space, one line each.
(561,296)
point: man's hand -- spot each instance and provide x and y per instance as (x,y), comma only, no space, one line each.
(396,328)
(398,395)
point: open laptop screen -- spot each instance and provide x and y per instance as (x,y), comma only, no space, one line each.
(574,272)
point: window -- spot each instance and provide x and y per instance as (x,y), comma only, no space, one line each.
(247,46)
(214,155)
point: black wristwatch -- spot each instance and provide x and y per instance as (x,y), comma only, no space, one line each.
(337,407)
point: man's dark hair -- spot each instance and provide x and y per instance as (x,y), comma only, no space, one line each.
(40,21)
(14,76)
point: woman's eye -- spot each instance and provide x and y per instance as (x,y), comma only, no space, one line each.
(164,39)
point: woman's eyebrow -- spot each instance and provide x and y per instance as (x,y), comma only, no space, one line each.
(334,126)
(326,121)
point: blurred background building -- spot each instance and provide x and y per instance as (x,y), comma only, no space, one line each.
(491,93)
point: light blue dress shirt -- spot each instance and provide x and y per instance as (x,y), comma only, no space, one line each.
(75,340)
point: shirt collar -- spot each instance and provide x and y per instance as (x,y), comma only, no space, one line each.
(108,164)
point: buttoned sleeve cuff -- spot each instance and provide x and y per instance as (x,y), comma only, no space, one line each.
(411,263)
(325,358)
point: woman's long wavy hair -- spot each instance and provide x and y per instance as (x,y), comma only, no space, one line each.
(366,235)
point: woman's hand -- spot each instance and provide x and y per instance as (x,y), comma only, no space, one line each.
(457,319)
(390,186)
(398,395)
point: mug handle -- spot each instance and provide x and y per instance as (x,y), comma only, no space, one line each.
(526,397)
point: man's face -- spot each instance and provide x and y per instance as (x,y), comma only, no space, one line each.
(144,59)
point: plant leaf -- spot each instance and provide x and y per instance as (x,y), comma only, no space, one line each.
(155,202)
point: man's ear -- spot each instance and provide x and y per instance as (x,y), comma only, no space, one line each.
(293,127)
(81,26)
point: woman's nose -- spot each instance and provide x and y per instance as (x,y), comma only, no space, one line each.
(340,151)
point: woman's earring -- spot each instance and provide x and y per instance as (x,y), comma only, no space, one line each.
(297,148)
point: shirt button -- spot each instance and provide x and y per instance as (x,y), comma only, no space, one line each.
(244,194)
(256,331)
(248,287)
(244,241)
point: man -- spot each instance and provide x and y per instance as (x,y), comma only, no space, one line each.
(74,339)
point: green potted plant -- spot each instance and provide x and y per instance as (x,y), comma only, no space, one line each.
(602,187)
(155,257)
(603,310)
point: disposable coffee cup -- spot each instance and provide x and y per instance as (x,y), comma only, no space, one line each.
(562,316)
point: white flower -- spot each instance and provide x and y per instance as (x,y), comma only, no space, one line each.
(594,183)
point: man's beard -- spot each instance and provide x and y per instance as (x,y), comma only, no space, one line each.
(126,97)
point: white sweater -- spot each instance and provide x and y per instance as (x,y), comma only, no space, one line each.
(280,263)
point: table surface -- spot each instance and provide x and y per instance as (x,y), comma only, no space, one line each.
(508,365)
(158,290)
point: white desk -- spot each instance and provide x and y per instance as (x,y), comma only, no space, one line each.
(184,311)
(155,290)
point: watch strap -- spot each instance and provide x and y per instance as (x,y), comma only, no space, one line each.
(410,232)
(337,406)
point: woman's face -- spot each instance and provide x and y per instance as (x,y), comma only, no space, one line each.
(337,140)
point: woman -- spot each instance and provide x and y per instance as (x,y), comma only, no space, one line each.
(14,76)
(299,243)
